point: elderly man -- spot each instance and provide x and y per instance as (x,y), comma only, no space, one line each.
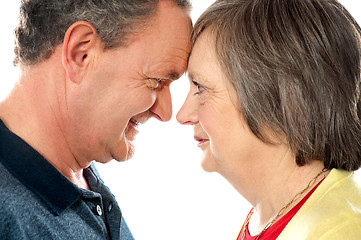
(91,72)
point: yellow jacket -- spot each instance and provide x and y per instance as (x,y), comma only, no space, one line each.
(333,211)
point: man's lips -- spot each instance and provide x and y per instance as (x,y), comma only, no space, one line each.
(134,122)
(200,141)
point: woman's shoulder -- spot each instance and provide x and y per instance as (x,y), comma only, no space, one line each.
(341,188)
(337,199)
(333,210)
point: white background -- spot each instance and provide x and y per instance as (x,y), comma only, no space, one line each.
(163,192)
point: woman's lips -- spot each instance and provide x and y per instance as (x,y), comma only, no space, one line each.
(201,141)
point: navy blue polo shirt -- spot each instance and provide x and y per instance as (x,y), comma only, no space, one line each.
(38,202)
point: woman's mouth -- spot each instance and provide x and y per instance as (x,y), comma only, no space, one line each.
(201,141)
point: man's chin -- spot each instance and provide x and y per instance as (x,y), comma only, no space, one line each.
(124,152)
(124,157)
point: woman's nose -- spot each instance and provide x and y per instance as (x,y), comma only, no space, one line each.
(188,114)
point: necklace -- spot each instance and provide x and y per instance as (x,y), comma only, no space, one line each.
(282,211)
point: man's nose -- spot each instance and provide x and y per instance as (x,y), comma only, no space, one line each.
(188,114)
(162,107)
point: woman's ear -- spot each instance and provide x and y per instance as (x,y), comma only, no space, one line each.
(80,47)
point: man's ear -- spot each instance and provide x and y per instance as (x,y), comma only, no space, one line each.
(79,48)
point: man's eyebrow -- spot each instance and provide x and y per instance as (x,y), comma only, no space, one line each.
(173,75)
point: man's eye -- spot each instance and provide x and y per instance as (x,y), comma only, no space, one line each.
(154,83)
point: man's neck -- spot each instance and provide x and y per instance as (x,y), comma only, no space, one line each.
(32,112)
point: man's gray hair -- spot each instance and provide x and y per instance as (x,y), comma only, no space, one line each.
(43,23)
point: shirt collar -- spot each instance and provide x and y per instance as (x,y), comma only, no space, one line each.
(36,173)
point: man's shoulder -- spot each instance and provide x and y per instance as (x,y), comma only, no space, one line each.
(11,189)
(17,205)
(24,216)
(16,200)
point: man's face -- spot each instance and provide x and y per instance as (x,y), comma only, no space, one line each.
(129,85)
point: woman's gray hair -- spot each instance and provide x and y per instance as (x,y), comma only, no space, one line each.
(295,65)
(43,23)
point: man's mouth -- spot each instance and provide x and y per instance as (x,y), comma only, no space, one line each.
(134,122)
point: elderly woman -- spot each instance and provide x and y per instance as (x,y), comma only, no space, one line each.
(275,105)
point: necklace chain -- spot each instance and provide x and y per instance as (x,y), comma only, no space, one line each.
(283,210)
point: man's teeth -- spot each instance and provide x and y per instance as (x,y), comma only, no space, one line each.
(135,122)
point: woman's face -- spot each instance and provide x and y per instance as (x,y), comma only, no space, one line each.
(211,106)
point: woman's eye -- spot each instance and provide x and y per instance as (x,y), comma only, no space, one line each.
(200,89)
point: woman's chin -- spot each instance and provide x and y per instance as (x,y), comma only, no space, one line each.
(207,163)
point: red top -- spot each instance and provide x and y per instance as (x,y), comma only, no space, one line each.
(275,230)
